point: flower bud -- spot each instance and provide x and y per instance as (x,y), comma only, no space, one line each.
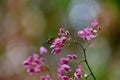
(43,50)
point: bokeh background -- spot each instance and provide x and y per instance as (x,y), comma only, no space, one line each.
(25,25)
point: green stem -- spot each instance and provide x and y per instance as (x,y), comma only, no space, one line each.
(84,51)
(81,61)
(79,44)
(88,64)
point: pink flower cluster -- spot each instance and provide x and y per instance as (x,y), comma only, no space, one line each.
(62,32)
(47,77)
(34,64)
(58,43)
(89,33)
(65,69)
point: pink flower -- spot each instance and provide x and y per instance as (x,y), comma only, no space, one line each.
(64,67)
(78,72)
(62,32)
(67,33)
(65,78)
(59,43)
(64,61)
(43,50)
(47,77)
(60,72)
(34,64)
(89,33)
(94,23)
(63,39)
(56,50)
(72,56)
(90,37)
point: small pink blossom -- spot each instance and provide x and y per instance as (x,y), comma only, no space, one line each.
(64,61)
(78,72)
(58,44)
(72,56)
(94,23)
(47,77)
(62,32)
(90,37)
(63,39)
(60,72)
(67,33)
(64,67)
(43,50)
(88,31)
(56,50)
(65,78)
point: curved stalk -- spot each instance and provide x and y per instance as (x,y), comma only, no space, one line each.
(49,72)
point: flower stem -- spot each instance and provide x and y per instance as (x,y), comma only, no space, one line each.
(84,50)
(85,58)
(79,44)
(48,71)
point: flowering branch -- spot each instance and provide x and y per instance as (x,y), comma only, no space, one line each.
(36,64)
(89,34)
(85,58)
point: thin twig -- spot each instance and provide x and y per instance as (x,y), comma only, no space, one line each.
(79,44)
(88,65)
(47,67)
(48,71)
(84,51)
(81,61)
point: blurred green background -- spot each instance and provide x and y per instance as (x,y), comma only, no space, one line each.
(25,25)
